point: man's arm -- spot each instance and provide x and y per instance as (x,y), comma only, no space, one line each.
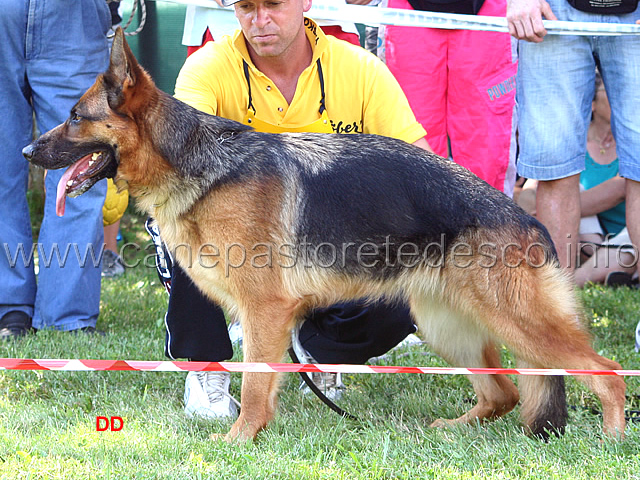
(602,197)
(422,143)
(525,19)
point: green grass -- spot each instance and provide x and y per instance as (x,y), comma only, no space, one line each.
(48,419)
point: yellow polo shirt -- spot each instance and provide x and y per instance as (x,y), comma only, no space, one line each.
(362,96)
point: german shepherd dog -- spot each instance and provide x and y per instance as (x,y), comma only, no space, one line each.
(361,217)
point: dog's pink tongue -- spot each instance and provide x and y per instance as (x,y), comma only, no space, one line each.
(61,192)
(72,172)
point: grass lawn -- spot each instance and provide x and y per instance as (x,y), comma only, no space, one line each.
(48,419)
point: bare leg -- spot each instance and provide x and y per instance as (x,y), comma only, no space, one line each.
(603,262)
(633,212)
(558,208)
(111,236)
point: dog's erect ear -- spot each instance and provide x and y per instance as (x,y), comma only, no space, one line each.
(123,63)
(123,71)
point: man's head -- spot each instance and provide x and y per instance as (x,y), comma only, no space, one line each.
(271,27)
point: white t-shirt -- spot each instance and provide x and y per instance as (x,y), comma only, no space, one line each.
(222,21)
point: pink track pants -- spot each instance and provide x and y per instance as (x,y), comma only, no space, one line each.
(461,87)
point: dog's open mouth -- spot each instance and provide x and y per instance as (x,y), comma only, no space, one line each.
(81,176)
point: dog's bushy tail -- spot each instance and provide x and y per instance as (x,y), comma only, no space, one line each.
(543,405)
(555,339)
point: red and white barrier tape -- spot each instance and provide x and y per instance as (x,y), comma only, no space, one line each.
(183,366)
(419,18)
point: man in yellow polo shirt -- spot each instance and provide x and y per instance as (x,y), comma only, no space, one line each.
(280,73)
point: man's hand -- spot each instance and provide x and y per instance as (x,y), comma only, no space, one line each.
(525,19)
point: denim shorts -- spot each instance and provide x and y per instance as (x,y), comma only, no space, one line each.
(555,89)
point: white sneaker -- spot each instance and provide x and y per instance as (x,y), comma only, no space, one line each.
(206,394)
(328,383)
(409,340)
(235,333)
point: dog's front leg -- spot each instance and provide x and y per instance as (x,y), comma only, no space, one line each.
(266,329)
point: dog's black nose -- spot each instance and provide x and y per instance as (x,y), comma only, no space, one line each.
(28,152)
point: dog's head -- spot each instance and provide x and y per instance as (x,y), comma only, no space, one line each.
(101,128)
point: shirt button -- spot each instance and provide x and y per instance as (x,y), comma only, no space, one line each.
(280,109)
(268,88)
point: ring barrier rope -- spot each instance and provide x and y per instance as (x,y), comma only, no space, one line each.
(255,367)
(451,21)
(134,8)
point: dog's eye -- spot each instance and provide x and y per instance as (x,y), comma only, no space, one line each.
(74,117)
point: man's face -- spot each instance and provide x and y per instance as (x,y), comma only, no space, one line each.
(270,26)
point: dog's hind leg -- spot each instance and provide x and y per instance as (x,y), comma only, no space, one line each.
(538,318)
(464,344)
(266,335)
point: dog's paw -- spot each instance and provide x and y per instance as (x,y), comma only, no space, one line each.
(229,438)
(442,423)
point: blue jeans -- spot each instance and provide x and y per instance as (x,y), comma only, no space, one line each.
(50,53)
(555,89)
